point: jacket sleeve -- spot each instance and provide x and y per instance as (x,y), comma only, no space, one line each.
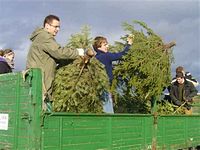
(193,81)
(173,97)
(117,56)
(56,51)
(193,92)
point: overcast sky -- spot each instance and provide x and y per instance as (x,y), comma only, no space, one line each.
(177,20)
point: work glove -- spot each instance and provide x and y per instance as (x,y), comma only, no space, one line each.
(188,106)
(130,39)
(177,102)
(80,51)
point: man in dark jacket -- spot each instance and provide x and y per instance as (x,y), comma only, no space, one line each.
(187,75)
(182,92)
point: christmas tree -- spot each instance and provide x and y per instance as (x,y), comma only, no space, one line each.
(79,84)
(144,72)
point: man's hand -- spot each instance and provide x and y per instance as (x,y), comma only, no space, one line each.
(90,52)
(187,99)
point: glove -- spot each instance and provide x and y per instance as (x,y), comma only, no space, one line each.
(130,39)
(177,102)
(188,106)
(80,51)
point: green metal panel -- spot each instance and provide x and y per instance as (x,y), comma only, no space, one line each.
(196,105)
(18,100)
(64,131)
(175,132)
(30,129)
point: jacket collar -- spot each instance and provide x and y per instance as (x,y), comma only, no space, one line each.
(99,52)
(185,83)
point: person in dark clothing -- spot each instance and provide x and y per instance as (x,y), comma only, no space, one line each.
(106,58)
(187,76)
(6,61)
(182,92)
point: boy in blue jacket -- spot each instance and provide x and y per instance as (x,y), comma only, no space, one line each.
(106,58)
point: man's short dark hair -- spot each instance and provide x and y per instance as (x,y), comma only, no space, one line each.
(50,18)
(179,75)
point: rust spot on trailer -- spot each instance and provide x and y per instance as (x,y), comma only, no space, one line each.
(154,144)
(155,116)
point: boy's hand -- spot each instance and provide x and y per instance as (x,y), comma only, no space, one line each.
(130,39)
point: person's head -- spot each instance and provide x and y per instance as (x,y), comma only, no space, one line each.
(52,24)
(180,69)
(180,77)
(9,54)
(101,43)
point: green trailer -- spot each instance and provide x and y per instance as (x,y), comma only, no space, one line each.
(23,125)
